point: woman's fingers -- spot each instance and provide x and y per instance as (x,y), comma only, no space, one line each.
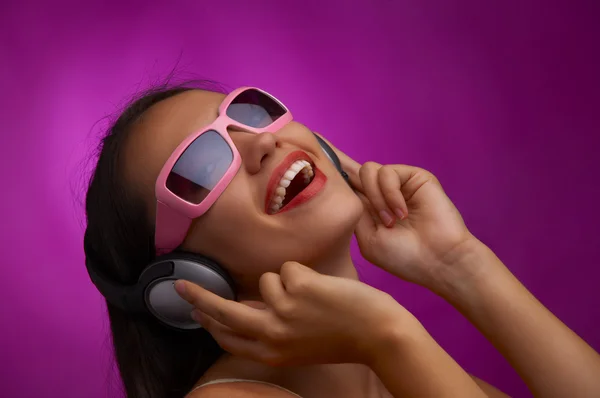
(239,317)
(271,289)
(232,342)
(254,304)
(296,277)
(369,175)
(390,186)
(216,329)
(412,179)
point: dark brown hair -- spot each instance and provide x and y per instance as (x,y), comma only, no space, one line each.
(153,360)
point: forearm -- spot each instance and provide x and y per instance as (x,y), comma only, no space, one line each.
(414,365)
(552,360)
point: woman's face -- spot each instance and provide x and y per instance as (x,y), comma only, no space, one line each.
(237,231)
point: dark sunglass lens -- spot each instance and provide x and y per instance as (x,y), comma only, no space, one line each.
(200,167)
(255,109)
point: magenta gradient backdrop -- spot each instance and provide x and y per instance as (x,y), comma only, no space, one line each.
(500,101)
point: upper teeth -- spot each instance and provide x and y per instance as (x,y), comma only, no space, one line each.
(296,167)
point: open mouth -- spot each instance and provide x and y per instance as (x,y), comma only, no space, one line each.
(296,178)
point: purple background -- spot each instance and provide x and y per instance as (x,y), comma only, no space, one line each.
(501,102)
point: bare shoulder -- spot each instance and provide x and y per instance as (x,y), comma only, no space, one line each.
(240,390)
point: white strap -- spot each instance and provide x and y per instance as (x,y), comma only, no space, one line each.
(219,381)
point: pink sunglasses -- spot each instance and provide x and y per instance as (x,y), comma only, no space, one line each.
(203,165)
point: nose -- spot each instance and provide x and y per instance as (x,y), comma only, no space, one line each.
(261,147)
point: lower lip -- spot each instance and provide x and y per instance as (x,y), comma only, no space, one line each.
(315,186)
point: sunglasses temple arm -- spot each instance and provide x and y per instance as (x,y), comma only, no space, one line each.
(170,229)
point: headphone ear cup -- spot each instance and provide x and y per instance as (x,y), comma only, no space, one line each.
(163,301)
(200,259)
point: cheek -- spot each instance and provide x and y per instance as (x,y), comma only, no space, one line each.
(340,211)
(299,135)
(248,243)
(230,231)
(228,217)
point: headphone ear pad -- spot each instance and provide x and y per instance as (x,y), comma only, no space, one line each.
(163,301)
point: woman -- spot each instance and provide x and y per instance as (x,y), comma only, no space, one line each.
(302,314)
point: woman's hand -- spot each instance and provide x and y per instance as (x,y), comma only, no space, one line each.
(410,227)
(428,243)
(306,318)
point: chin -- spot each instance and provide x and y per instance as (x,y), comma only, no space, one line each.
(342,211)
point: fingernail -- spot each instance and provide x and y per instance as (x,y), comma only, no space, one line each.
(399,213)
(180,287)
(386,217)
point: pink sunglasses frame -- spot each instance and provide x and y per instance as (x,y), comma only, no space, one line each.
(174,215)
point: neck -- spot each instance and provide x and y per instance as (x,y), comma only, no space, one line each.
(338,262)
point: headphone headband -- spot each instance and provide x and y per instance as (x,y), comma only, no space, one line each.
(332,156)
